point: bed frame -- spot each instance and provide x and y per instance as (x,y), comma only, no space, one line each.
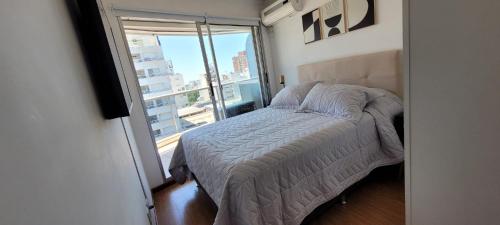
(377,70)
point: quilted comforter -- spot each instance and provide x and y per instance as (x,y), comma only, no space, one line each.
(275,166)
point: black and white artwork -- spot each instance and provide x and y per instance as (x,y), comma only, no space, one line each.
(332,18)
(311,26)
(337,17)
(360,13)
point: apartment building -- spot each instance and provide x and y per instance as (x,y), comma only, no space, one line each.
(158,83)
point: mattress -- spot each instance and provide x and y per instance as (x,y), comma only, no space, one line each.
(275,166)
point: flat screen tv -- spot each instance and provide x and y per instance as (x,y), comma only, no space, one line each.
(111,91)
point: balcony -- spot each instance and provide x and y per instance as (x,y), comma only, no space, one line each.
(156,94)
(197,113)
(153,75)
(159,109)
(163,124)
(201,112)
(153,79)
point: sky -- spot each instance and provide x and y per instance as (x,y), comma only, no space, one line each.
(187,59)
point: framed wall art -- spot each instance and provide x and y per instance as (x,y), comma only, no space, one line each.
(360,13)
(311,26)
(333,18)
(337,17)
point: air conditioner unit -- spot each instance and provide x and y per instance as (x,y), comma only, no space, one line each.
(279,10)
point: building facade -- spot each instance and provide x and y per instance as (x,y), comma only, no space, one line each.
(240,63)
(157,78)
(251,58)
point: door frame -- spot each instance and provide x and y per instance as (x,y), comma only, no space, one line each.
(216,67)
(116,15)
(219,110)
(141,97)
(255,31)
(207,71)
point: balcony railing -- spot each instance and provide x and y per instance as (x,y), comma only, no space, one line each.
(149,91)
(197,114)
(224,84)
(153,75)
(148,59)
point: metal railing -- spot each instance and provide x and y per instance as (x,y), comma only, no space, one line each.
(153,75)
(199,89)
(192,115)
(148,59)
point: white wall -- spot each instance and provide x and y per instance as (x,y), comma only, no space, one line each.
(289,50)
(60,162)
(454,80)
(220,8)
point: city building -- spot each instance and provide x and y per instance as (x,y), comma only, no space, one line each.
(204,93)
(177,83)
(251,58)
(240,63)
(156,79)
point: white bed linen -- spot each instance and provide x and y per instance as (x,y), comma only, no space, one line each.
(275,166)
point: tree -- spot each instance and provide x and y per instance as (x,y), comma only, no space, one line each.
(193,97)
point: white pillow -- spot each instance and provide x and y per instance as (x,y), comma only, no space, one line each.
(371,93)
(291,96)
(347,103)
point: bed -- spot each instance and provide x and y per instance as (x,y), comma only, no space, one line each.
(275,166)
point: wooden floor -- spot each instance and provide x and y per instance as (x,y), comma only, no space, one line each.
(376,200)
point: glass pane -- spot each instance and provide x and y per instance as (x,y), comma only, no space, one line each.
(238,68)
(172,77)
(212,71)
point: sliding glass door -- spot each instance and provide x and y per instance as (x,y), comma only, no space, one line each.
(236,68)
(191,74)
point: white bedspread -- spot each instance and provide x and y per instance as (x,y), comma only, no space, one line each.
(275,166)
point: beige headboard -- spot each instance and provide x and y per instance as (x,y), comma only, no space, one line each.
(380,70)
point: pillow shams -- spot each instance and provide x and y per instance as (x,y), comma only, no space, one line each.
(334,101)
(371,93)
(292,96)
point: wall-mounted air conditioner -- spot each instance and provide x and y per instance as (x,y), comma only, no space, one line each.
(280,9)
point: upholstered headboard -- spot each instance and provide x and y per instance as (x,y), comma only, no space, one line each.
(380,70)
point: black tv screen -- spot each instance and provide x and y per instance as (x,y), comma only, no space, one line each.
(105,77)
